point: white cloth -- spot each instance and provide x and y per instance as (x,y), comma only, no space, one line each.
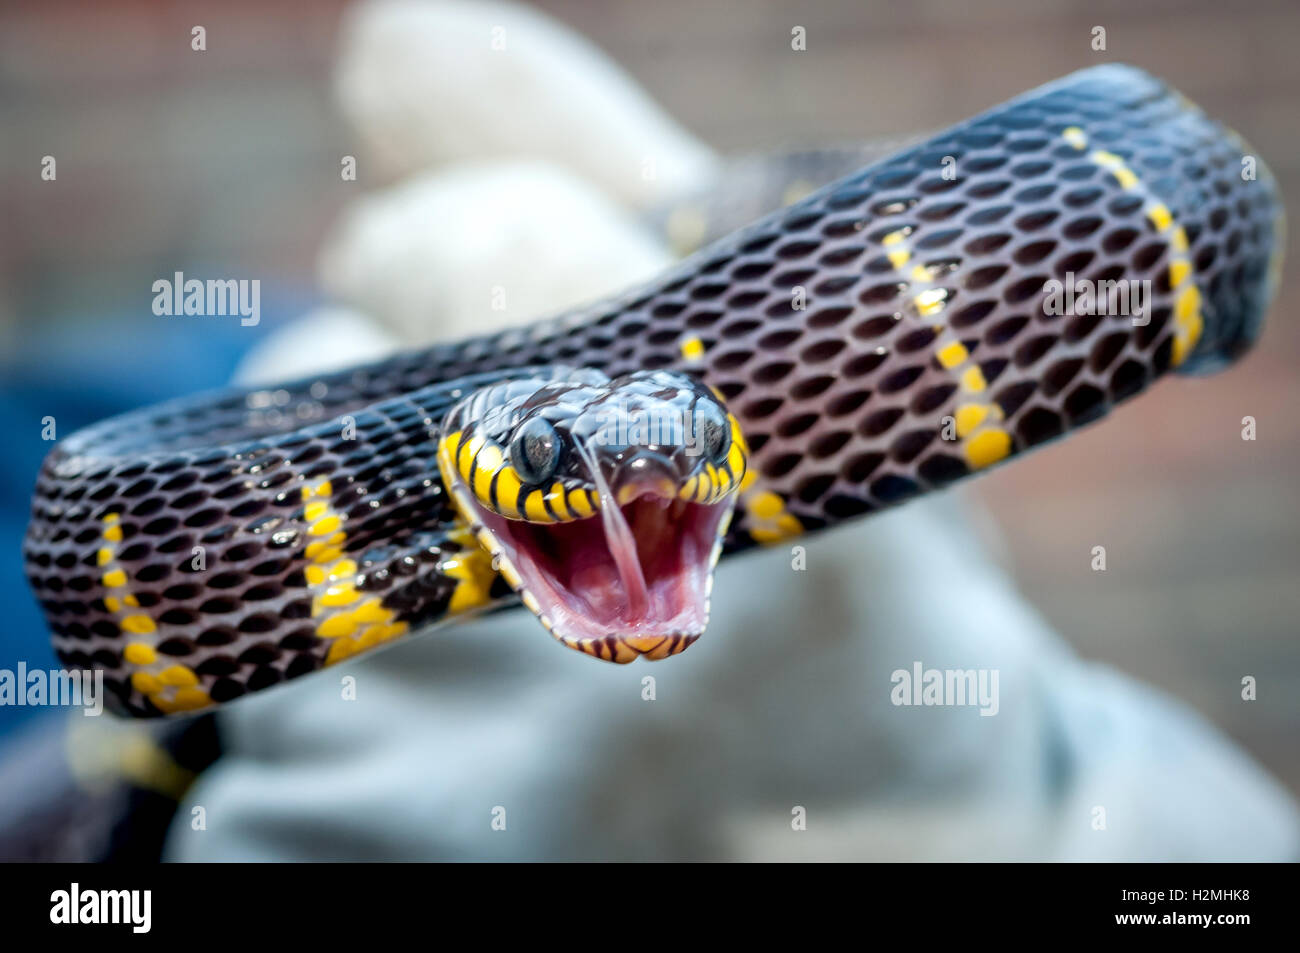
(430,83)
(465,249)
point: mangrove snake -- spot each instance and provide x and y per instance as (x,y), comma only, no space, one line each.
(883,336)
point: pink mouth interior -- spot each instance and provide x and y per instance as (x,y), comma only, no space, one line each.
(594,579)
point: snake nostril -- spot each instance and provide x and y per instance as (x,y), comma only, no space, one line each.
(647,474)
(663,490)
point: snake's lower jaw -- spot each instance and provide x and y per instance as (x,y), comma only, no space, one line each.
(616,586)
(624,649)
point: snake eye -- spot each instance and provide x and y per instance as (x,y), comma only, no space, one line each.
(714,433)
(535,451)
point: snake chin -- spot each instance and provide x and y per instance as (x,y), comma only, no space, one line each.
(617,585)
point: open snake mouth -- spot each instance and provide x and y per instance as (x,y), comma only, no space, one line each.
(630,580)
(603,501)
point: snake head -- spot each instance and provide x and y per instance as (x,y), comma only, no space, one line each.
(603,502)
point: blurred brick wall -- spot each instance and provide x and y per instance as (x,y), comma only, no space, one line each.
(225,159)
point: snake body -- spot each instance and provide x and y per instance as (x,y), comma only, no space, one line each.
(882,337)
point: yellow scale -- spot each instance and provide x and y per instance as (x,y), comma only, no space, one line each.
(350,619)
(768,521)
(1188,321)
(978,418)
(171,686)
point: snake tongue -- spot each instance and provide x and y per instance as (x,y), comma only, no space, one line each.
(622,546)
